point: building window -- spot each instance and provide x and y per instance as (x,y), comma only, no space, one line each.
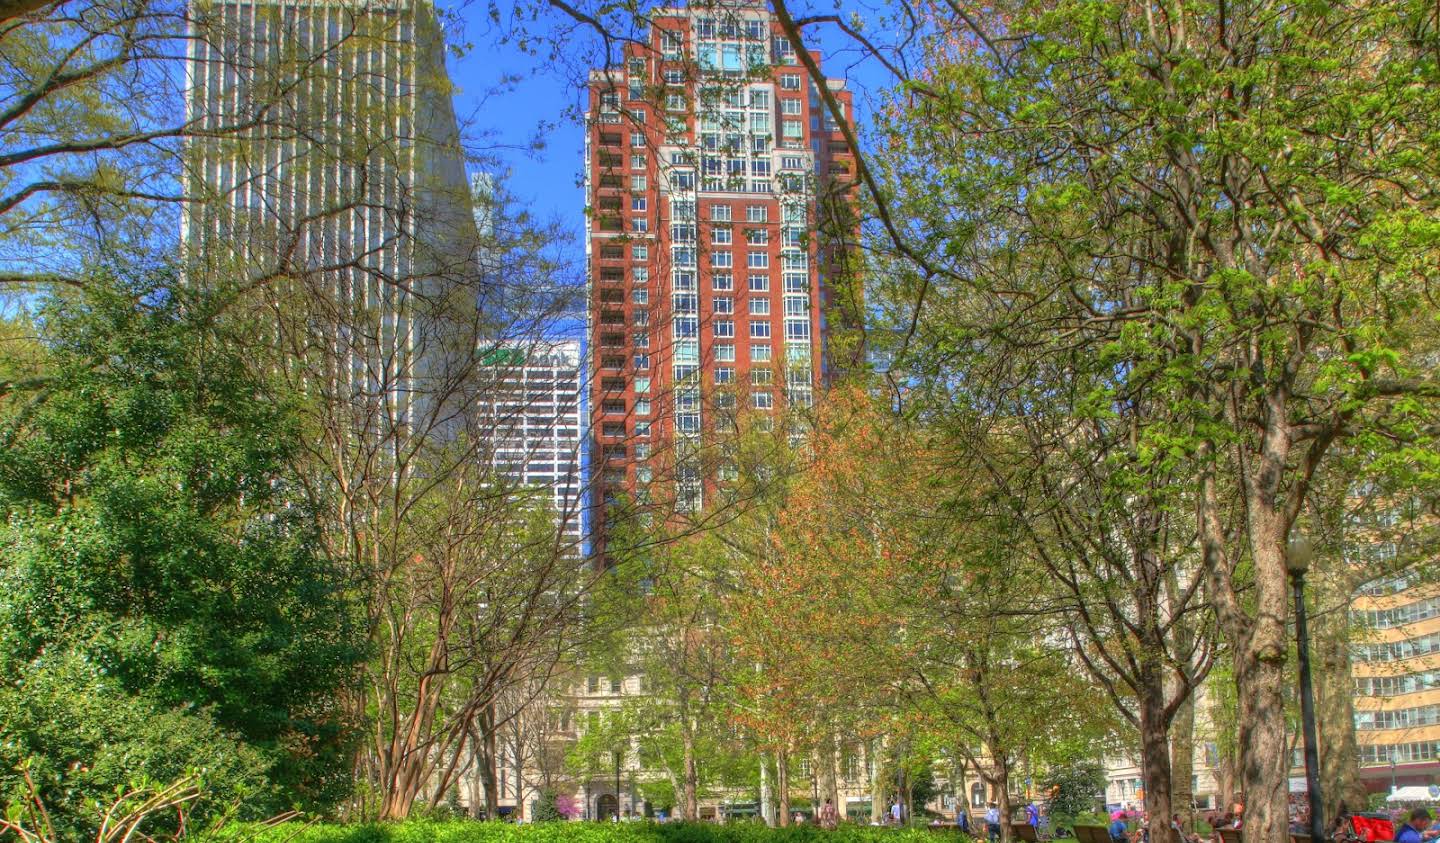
(721,235)
(759,283)
(640,252)
(758,260)
(720,213)
(759,352)
(789,105)
(796,331)
(722,281)
(725,352)
(793,129)
(638,203)
(722,304)
(762,400)
(637,139)
(759,307)
(757,236)
(642,386)
(722,259)
(759,328)
(724,328)
(790,81)
(761,376)
(757,213)
(640,295)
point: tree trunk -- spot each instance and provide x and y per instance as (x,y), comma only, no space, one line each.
(1182,762)
(1155,753)
(1001,783)
(1335,711)
(476,782)
(519,777)
(830,773)
(489,763)
(1264,763)
(691,808)
(767,795)
(782,784)
(877,780)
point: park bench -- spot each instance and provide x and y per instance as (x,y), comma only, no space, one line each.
(1228,835)
(1024,831)
(1092,834)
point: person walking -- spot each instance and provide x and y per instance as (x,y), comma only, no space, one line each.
(828,820)
(992,822)
(962,817)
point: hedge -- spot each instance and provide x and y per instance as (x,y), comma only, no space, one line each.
(461,831)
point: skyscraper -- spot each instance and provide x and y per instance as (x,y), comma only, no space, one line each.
(538,424)
(327,159)
(707,153)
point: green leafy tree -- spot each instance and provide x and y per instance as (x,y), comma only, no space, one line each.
(164,606)
(1226,215)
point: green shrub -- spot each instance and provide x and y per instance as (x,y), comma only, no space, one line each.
(578,832)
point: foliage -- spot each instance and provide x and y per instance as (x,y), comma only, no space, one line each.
(547,808)
(1211,226)
(164,608)
(1074,790)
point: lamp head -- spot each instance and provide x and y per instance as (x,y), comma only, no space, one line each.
(1298,556)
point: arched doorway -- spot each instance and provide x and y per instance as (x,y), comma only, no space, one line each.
(606,806)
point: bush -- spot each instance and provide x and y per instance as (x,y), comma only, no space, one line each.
(634,832)
(84,740)
(547,808)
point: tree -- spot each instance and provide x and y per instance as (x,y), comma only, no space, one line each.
(1075,790)
(166,606)
(922,619)
(1230,205)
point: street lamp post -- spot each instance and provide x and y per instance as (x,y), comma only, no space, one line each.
(1297,562)
(1394,758)
(617,785)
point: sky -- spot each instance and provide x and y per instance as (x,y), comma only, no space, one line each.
(534,100)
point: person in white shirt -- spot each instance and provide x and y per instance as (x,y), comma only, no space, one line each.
(992,821)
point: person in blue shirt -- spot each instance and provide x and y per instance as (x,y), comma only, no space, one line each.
(1417,830)
(1118,832)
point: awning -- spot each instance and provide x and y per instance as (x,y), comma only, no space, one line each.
(1415,793)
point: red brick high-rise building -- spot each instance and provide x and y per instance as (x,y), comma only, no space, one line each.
(708,149)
